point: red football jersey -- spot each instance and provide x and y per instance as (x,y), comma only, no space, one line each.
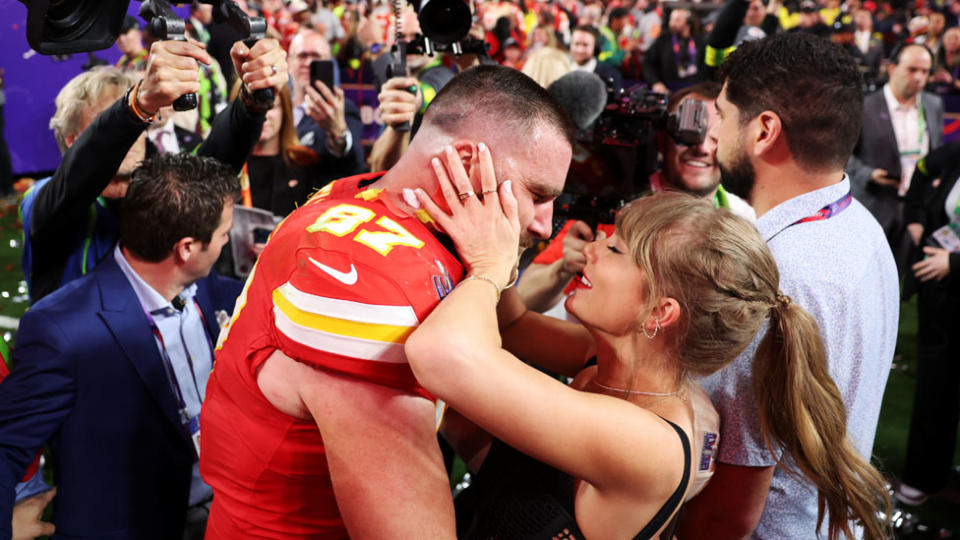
(340,285)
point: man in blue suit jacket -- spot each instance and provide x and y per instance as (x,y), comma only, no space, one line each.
(99,365)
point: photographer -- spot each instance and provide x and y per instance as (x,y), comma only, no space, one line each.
(690,169)
(399,105)
(326,121)
(70,220)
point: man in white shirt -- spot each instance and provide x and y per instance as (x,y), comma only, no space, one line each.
(901,123)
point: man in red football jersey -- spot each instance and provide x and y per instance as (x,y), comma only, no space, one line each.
(313,424)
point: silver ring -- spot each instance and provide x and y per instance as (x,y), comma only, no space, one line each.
(466,195)
(273,68)
(487,192)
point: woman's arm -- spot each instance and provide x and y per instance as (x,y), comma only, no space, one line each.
(560,346)
(456,354)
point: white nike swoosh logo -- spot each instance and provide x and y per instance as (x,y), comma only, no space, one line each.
(347,278)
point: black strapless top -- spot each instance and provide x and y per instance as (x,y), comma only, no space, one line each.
(514,496)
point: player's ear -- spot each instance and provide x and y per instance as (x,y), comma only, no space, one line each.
(470,157)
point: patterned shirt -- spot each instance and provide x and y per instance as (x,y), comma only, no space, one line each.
(841,270)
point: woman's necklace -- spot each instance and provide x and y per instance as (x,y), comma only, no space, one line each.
(627,392)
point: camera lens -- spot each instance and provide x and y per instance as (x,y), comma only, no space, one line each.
(70,19)
(445,21)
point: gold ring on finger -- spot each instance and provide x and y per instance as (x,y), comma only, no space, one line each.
(487,192)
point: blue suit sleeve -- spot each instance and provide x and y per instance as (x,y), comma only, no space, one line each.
(34,400)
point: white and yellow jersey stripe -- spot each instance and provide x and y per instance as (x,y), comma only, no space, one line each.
(354,329)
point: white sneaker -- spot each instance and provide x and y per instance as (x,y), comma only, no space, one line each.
(910,495)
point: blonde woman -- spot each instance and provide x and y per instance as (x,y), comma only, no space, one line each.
(678,291)
(547,64)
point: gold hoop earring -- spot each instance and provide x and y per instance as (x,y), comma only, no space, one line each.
(655,330)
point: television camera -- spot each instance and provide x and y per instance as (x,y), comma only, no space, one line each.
(616,157)
(57,27)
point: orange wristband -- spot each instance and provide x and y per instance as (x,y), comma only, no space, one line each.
(132,103)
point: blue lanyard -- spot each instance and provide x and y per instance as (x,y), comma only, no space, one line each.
(691,52)
(827,211)
(168,363)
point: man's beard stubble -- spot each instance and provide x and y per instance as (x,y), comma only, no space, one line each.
(739,178)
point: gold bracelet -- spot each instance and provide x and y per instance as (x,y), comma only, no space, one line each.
(488,280)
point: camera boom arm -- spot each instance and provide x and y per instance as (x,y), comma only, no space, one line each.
(252,28)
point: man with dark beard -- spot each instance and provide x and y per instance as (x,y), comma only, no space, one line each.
(790,113)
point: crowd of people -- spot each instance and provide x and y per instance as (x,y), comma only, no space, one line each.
(707,360)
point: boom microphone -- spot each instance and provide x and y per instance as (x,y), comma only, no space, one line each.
(582,94)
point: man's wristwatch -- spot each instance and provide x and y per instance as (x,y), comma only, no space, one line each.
(339,140)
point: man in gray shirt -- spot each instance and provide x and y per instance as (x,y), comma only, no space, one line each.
(790,113)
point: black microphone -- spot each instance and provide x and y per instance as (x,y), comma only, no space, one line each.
(582,94)
(178,303)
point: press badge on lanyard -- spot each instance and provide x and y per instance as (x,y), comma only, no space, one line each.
(190,423)
(947,236)
(193,427)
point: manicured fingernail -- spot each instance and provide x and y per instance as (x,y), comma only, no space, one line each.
(483,147)
(508,185)
(435,162)
(410,197)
